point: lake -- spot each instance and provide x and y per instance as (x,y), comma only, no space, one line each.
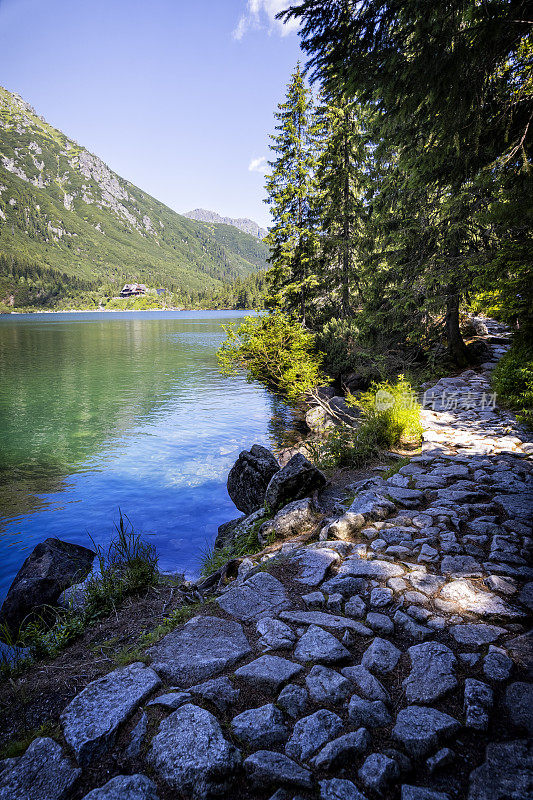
(101,411)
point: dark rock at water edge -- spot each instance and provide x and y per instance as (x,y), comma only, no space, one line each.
(299,478)
(50,568)
(250,476)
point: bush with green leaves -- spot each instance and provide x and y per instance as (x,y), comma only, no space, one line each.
(276,350)
(390,415)
(513,380)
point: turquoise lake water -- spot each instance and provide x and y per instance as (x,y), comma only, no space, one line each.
(102,411)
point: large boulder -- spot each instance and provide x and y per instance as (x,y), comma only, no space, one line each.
(250,476)
(298,479)
(51,567)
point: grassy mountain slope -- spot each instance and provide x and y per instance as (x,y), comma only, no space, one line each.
(62,208)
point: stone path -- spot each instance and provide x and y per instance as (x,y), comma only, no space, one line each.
(391,658)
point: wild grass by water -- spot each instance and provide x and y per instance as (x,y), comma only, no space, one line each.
(126,567)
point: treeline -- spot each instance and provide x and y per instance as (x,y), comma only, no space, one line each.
(401,185)
(24,285)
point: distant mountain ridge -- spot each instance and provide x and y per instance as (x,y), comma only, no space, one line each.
(242,223)
(63,208)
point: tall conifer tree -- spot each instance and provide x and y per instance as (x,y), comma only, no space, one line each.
(290,186)
(341,177)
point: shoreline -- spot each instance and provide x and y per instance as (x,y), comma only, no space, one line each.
(117,311)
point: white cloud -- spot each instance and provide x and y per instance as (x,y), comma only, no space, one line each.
(261,15)
(258,165)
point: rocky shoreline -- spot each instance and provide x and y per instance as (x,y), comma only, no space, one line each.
(380,648)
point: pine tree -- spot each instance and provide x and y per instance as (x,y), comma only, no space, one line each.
(342,176)
(290,186)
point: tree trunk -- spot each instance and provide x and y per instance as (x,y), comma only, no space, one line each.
(456,346)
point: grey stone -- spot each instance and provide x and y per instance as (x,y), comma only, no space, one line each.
(334,603)
(521,649)
(443,758)
(467,597)
(380,623)
(404,762)
(275,635)
(327,686)
(355,607)
(190,753)
(244,526)
(369,713)
(249,477)
(372,505)
(421,793)
(311,733)
(265,768)
(342,750)
(378,772)
(314,600)
(136,737)
(260,727)
(297,479)
(293,519)
(338,789)
(51,567)
(518,702)
(526,595)
(379,598)
(43,773)
(91,720)
(312,565)
(344,584)
(420,729)
(516,506)
(479,699)
(345,526)
(268,673)
(425,582)
(507,773)
(497,666)
(132,787)
(363,568)
(319,645)
(258,596)
(293,700)
(412,628)
(432,672)
(475,634)
(172,700)
(460,566)
(368,685)
(218,691)
(204,647)
(381,656)
(324,620)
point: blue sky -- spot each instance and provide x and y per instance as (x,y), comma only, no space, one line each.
(177,96)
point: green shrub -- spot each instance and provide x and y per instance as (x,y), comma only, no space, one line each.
(390,414)
(276,350)
(513,380)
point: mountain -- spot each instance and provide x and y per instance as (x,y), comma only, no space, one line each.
(243,224)
(63,209)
